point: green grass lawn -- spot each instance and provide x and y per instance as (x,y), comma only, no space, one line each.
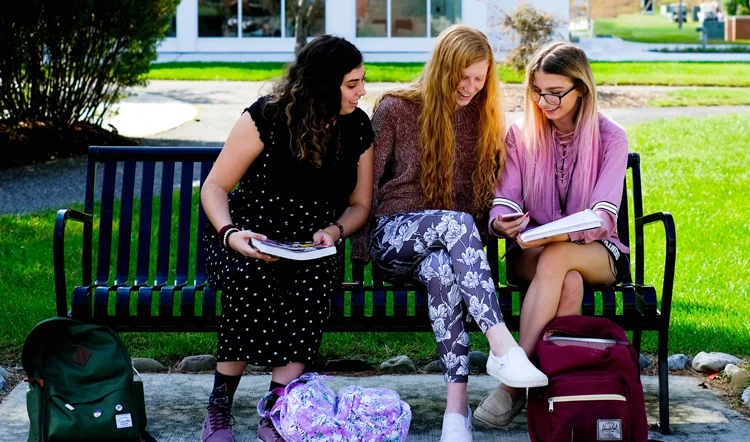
(649,29)
(644,73)
(694,168)
(704,97)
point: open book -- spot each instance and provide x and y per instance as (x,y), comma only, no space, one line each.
(577,222)
(300,251)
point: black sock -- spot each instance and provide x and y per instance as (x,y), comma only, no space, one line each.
(275,385)
(272,400)
(224,388)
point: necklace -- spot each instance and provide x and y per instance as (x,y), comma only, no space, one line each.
(566,141)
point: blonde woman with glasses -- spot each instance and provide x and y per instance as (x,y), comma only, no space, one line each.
(564,157)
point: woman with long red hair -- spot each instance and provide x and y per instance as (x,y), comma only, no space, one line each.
(438,148)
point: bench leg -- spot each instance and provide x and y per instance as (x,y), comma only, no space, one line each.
(637,334)
(663,382)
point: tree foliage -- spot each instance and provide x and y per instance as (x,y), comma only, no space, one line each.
(68,61)
(531,29)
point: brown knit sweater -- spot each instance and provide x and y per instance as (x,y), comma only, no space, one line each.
(397,169)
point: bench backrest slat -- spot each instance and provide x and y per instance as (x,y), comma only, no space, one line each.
(144,229)
(105,223)
(126,224)
(183,226)
(200,256)
(165,223)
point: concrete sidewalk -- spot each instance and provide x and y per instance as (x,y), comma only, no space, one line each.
(176,407)
(617,49)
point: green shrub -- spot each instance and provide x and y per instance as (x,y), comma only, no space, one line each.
(743,10)
(68,61)
(730,7)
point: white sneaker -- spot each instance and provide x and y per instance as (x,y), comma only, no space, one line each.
(515,370)
(456,428)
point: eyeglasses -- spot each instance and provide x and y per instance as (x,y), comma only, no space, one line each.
(551,99)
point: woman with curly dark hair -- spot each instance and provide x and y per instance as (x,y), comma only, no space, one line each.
(300,163)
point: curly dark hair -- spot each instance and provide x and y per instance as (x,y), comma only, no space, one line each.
(309,96)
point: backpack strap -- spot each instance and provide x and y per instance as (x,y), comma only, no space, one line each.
(145,437)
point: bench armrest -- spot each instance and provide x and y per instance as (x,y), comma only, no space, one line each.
(61,291)
(669,259)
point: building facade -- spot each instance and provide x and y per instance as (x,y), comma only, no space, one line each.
(384,30)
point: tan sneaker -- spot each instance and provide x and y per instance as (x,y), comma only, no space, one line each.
(499,409)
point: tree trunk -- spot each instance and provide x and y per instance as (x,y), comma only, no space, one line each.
(300,26)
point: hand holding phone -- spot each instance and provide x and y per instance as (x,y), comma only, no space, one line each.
(511,216)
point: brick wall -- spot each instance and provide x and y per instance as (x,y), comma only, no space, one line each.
(737,28)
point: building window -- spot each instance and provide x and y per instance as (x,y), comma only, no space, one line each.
(255,18)
(317,10)
(372,18)
(217,18)
(261,18)
(444,13)
(406,18)
(172,30)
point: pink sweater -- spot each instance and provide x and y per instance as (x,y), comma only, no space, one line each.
(606,195)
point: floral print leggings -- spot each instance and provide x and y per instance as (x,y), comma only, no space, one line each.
(443,250)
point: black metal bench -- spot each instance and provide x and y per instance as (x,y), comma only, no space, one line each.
(169,294)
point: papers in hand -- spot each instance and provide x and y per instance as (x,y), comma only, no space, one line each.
(576,222)
(300,251)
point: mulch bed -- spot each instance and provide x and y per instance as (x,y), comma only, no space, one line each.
(32,142)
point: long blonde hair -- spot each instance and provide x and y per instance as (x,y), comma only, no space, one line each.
(457,48)
(561,58)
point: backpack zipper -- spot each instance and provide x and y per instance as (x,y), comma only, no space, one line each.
(583,398)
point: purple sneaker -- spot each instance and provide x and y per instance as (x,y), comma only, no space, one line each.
(267,432)
(218,425)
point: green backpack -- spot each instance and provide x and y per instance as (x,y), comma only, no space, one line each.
(81,384)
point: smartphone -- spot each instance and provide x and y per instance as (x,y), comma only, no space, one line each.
(511,216)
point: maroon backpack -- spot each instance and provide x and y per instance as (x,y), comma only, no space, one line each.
(594,391)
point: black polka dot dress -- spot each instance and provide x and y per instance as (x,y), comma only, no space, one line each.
(275,313)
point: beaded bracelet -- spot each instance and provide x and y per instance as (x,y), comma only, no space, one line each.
(224,233)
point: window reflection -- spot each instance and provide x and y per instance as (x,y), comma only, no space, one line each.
(444,13)
(317,25)
(261,18)
(217,18)
(372,18)
(409,18)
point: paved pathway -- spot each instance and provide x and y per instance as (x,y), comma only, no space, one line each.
(176,406)
(201,113)
(617,49)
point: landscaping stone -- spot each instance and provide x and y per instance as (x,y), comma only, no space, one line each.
(195,364)
(738,381)
(399,364)
(678,362)
(713,362)
(257,369)
(645,362)
(3,373)
(477,362)
(347,365)
(746,396)
(4,388)
(147,365)
(433,367)
(731,370)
